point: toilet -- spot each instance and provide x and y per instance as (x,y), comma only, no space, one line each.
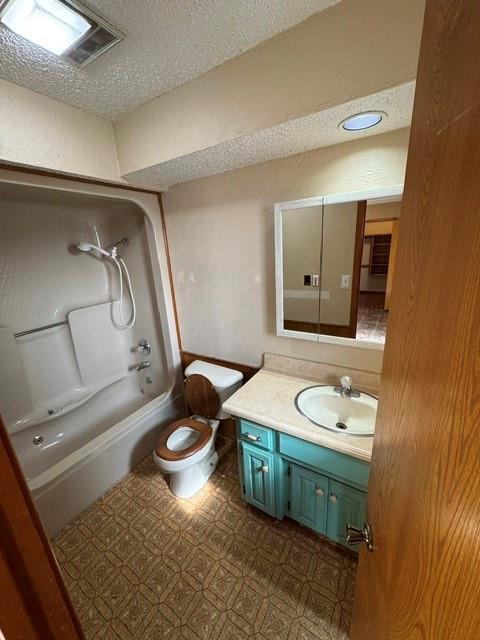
(185,449)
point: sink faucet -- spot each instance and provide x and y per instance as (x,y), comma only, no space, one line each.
(345,388)
(141,365)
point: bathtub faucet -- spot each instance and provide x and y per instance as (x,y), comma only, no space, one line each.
(141,365)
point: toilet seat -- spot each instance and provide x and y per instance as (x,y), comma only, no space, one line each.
(205,433)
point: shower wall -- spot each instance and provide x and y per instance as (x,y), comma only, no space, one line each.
(43,278)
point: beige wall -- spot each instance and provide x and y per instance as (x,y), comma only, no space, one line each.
(351,50)
(221,235)
(41,132)
(338,250)
(383,210)
(302,237)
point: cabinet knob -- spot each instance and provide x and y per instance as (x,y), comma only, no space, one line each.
(333,498)
(252,438)
(319,492)
(264,469)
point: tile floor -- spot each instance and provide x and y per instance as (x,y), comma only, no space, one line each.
(372,319)
(141,564)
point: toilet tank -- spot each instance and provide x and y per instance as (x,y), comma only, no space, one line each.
(226,381)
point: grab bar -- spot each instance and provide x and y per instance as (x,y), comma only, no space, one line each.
(44,328)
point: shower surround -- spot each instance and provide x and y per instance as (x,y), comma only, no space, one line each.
(79,410)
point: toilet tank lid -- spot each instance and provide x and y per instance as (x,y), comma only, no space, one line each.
(220,377)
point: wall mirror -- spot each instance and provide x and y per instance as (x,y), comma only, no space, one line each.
(334,264)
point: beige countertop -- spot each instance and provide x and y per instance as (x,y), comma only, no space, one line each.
(269,399)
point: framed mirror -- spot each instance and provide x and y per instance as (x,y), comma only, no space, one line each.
(334,261)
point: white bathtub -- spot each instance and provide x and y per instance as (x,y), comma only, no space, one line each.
(70,484)
(73,445)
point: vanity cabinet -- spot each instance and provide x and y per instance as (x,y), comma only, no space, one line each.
(316,486)
(258,466)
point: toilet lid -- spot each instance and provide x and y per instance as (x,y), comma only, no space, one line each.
(201,396)
(162,450)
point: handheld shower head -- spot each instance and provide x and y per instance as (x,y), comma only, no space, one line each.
(86,247)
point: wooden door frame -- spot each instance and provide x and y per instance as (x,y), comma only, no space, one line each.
(35,603)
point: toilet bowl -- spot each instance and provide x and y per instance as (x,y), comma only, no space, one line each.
(185,449)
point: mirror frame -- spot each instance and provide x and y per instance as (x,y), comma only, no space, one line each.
(279,208)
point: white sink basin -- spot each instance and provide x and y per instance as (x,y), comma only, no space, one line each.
(327,408)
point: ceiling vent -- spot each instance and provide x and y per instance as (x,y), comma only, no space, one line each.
(101,37)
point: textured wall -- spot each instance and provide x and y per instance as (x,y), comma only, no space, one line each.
(221,238)
(42,132)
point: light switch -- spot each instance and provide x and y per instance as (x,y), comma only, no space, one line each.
(345,282)
(315,280)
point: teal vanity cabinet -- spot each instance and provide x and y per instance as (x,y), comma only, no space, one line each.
(284,475)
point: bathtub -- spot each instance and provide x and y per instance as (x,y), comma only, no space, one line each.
(74,440)
(87,467)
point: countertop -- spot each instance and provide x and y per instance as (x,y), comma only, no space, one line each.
(268,399)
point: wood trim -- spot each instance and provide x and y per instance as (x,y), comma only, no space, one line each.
(247,370)
(340,331)
(74,178)
(35,603)
(380,220)
(170,271)
(378,228)
(357,266)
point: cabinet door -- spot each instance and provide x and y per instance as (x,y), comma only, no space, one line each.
(345,504)
(308,498)
(258,475)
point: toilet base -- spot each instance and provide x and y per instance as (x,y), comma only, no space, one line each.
(189,481)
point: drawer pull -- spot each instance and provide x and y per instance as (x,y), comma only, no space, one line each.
(252,438)
(333,498)
(319,492)
(264,469)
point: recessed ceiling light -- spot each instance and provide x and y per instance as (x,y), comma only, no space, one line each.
(52,24)
(362,120)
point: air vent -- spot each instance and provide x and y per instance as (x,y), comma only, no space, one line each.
(101,37)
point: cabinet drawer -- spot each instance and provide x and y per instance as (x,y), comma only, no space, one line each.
(330,462)
(255,434)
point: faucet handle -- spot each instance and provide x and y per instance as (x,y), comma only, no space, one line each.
(143,346)
(346,382)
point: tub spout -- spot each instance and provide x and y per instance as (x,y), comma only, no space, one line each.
(140,366)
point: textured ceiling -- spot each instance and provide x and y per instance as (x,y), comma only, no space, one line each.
(295,136)
(167,43)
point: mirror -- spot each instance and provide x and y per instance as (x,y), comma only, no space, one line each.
(334,266)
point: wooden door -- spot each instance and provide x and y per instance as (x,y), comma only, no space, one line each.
(422,581)
(34,604)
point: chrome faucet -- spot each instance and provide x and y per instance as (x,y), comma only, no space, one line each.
(141,365)
(345,388)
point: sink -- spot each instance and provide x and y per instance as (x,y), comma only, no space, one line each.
(326,407)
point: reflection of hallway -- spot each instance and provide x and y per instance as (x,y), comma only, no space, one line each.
(372,319)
